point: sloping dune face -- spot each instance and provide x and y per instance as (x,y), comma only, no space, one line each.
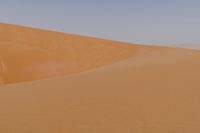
(29,54)
(155,90)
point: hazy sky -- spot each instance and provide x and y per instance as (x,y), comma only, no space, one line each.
(174,22)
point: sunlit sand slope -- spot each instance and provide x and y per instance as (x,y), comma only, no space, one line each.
(156,90)
(28,54)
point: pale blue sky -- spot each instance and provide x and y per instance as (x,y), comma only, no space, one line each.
(171,22)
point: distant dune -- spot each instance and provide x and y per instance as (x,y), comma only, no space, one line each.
(53,82)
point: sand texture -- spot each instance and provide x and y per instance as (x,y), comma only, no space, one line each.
(53,82)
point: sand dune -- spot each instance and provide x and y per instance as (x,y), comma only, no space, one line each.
(30,54)
(94,85)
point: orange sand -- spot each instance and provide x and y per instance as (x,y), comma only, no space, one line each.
(86,85)
(29,54)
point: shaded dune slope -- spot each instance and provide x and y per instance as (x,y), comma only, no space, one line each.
(28,54)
